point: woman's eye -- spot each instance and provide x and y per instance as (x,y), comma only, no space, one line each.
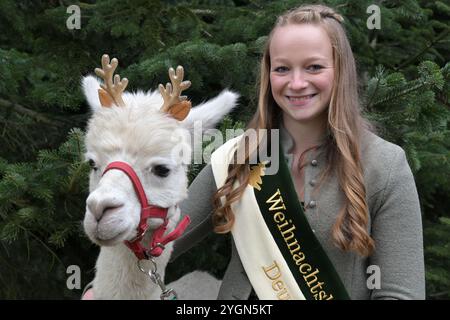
(280,69)
(92,165)
(315,67)
(161,171)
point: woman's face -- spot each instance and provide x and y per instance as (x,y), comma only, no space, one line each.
(301,70)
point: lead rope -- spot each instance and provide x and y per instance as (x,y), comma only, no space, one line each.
(166,293)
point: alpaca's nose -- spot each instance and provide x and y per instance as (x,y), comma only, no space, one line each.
(99,207)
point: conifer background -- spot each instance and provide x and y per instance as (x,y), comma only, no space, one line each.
(404,71)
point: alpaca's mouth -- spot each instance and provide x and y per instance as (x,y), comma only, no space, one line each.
(110,241)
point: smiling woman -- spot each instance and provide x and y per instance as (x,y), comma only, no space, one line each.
(347,197)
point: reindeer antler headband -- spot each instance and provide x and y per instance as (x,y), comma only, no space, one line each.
(174,104)
(111,90)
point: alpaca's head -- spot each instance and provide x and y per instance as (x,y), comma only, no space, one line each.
(153,143)
(150,142)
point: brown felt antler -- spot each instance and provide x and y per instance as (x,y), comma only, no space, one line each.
(174,104)
(111,91)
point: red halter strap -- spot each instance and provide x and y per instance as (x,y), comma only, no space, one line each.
(158,241)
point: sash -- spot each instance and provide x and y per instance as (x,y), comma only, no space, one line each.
(279,251)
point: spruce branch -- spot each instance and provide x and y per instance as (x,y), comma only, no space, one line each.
(39,117)
(203,12)
(396,94)
(369,103)
(53,120)
(430,78)
(442,99)
(84,5)
(54,255)
(410,60)
(379,75)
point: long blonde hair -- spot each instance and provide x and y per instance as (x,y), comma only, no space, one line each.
(345,125)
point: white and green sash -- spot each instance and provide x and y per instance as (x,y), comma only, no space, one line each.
(279,251)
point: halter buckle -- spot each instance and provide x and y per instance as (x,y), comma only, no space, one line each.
(158,245)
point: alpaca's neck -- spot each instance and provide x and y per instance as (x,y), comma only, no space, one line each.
(118,275)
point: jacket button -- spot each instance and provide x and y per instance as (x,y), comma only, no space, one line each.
(314,162)
(312,204)
(313,182)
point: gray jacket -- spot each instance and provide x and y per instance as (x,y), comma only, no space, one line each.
(395,224)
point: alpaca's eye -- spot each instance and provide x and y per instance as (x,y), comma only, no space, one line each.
(92,165)
(161,171)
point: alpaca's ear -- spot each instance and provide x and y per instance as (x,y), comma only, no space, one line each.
(207,115)
(105,98)
(210,113)
(91,87)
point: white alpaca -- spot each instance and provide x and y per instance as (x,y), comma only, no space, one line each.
(150,141)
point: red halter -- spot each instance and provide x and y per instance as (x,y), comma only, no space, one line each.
(148,211)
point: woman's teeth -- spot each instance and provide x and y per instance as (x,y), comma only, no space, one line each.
(302,98)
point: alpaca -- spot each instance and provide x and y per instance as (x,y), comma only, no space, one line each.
(155,141)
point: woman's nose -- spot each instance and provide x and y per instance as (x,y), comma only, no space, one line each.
(298,81)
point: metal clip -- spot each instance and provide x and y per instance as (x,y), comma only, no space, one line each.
(167,293)
(152,269)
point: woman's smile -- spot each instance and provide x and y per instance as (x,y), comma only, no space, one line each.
(301,100)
